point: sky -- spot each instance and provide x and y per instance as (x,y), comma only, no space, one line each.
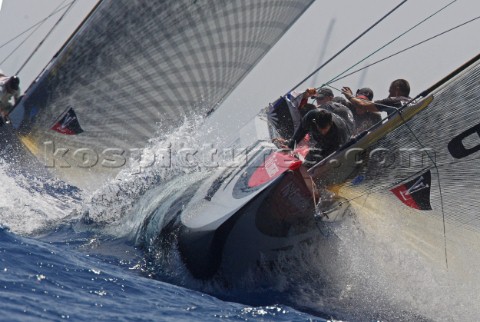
(299,52)
(324,29)
(17,16)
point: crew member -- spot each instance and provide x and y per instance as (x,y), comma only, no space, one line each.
(398,95)
(327,131)
(9,90)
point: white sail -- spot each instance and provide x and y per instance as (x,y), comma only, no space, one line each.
(135,68)
(421,167)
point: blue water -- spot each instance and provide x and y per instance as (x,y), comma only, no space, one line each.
(72,254)
(83,255)
(69,254)
(61,278)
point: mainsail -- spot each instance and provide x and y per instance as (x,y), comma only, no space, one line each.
(138,67)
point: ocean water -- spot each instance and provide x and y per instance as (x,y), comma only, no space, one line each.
(70,254)
(73,254)
(62,269)
(61,278)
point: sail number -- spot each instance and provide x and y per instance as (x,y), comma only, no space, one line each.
(457,148)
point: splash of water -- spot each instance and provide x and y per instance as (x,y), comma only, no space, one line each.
(31,203)
(120,206)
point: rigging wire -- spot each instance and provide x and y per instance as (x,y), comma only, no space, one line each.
(46,36)
(348,45)
(434,163)
(404,50)
(38,25)
(419,96)
(390,42)
(368,192)
(438,180)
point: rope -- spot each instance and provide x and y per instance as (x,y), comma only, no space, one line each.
(435,165)
(46,36)
(390,42)
(348,45)
(21,43)
(439,184)
(40,22)
(403,50)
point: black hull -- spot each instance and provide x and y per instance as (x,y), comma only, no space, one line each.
(273,220)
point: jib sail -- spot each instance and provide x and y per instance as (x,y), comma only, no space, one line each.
(425,171)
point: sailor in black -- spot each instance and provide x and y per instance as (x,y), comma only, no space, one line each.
(324,99)
(327,131)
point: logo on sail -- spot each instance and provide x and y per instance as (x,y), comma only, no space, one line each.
(415,193)
(456,146)
(67,123)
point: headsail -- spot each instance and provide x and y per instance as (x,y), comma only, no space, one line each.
(137,66)
(426,169)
